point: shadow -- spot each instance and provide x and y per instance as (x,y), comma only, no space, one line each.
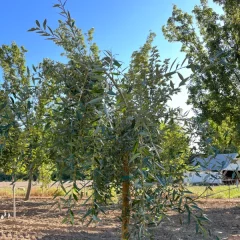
(36,220)
(224,223)
(111,234)
(33,208)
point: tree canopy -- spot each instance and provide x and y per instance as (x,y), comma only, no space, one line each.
(211,43)
(94,120)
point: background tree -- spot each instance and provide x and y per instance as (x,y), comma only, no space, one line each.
(175,149)
(213,138)
(211,43)
(23,110)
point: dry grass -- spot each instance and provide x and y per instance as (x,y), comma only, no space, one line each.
(35,192)
(217,192)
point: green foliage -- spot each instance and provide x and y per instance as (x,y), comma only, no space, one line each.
(21,115)
(175,150)
(223,137)
(45,174)
(93,120)
(211,43)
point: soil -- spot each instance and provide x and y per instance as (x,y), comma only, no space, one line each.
(37,220)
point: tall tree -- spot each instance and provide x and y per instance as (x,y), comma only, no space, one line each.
(212,45)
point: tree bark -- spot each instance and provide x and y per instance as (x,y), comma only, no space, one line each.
(27,196)
(125,198)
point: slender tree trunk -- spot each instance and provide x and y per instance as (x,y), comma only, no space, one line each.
(27,196)
(14,197)
(125,198)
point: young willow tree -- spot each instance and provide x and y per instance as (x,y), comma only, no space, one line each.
(106,125)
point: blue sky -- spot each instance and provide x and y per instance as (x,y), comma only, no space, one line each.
(120,26)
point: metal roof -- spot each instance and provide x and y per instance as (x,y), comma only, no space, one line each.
(215,162)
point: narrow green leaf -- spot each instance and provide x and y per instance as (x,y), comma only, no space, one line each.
(135,146)
(94,101)
(45,34)
(189,213)
(47,126)
(51,39)
(65,220)
(38,23)
(183,82)
(169,74)
(110,92)
(181,76)
(50,30)
(34,68)
(173,64)
(197,228)
(184,61)
(69,15)
(44,24)
(89,211)
(12,100)
(32,29)
(196,207)
(187,192)
(115,73)
(29,104)
(75,197)
(116,63)
(71,212)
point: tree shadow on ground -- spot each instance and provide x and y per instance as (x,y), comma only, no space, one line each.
(224,223)
(111,234)
(36,220)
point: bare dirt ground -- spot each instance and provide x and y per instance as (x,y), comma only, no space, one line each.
(35,220)
(24,184)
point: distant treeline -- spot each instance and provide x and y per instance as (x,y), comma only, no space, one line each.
(8,177)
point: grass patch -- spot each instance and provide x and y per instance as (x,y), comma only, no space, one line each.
(35,192)
(217,192)
(38,191)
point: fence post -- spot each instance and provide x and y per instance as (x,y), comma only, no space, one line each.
(229,192)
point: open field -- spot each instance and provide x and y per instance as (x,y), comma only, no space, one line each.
(216,192)
(36,220)
(53,189)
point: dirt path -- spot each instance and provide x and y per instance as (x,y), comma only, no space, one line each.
(35,220)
